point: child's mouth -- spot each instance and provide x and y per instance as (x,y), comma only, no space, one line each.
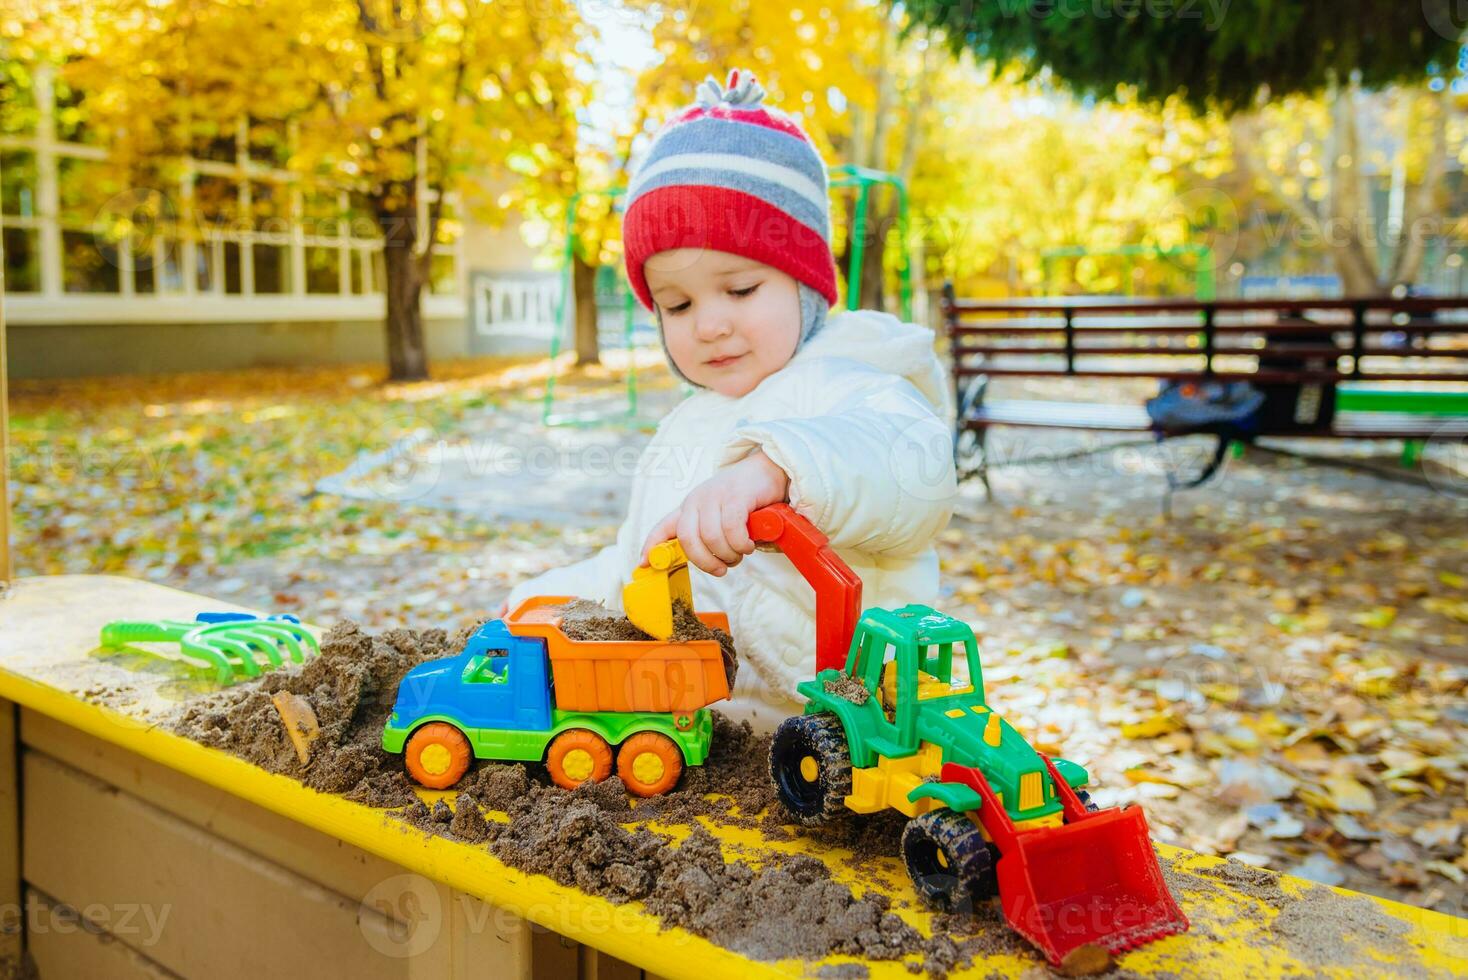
(719,362)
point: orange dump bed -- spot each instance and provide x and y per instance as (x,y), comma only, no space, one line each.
(624,675)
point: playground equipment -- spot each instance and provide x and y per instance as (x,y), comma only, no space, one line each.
(628,415)
(863,179)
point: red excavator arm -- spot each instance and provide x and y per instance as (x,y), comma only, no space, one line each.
(838,590)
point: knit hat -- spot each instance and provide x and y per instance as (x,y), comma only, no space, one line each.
(730,175)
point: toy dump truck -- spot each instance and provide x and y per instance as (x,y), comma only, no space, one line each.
(889,723)
(522,690)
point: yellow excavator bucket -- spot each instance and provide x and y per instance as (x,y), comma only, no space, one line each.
(648,599)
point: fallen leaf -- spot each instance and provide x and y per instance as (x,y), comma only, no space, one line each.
(1158,724)
(1349,796)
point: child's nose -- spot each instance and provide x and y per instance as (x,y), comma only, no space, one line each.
(712,326)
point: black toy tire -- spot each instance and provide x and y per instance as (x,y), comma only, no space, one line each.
(1085,799)
(949,861)
(818,737)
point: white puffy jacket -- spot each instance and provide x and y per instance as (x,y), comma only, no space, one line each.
(858,419)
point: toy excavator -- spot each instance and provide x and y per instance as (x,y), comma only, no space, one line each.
(888,724)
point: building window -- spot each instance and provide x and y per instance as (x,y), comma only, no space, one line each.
(323,270)
(233,274)
(216,200)
(272,269)
(22,260)
(358,261)
(224,220)
(88,264)
(18,183)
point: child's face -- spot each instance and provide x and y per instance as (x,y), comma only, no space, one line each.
(729,322)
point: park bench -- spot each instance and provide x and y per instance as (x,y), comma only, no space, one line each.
(1390,368)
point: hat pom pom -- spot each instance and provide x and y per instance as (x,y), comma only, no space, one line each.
(742,92)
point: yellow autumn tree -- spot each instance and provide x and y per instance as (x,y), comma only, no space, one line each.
(1036,170)
(1321,159)
(408,103)
(859,88)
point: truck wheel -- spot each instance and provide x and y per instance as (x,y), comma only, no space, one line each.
(1085,799)
(578,756)
(438,755)
(649,763)
(811,766)
(950,863)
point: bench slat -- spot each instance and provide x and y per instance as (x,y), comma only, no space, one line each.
(1134,418)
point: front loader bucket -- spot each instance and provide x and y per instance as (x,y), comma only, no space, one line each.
(648,599)
(1094,879)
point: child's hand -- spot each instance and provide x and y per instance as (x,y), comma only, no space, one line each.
(712,522)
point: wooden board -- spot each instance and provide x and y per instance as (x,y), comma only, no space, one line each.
(46,659)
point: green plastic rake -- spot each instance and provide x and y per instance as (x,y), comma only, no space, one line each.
(234,648)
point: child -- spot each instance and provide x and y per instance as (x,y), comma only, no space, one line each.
(727,240)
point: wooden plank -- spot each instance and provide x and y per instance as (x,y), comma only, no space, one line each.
(596,965)
(488,943)
(12,938)
(1064,415)
(200,905)
(1108,304)
(478,933)
(324,859)
(555,957)
(64,944)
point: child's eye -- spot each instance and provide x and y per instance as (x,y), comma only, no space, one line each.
(745,291)
(680,308)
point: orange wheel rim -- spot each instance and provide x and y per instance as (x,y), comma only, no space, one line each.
(438,755)
(578,756)
(649,763)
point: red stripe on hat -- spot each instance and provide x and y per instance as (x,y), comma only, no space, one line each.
(724,220)
(755,117)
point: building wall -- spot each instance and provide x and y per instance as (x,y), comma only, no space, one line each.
(86,349)
(219,280)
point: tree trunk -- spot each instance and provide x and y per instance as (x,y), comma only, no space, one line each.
(407,355)
(588,348)
(873,295)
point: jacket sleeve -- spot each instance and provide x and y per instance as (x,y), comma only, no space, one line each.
(872,467)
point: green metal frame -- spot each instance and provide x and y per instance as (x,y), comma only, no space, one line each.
(628,416)
(862,178)
(1204,287)
(507,745)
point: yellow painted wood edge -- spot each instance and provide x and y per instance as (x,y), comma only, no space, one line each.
(623,931)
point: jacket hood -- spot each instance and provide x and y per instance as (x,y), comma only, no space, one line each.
(884,341)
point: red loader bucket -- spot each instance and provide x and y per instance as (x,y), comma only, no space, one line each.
(1094,879)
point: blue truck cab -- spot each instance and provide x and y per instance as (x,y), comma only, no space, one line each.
(499,681)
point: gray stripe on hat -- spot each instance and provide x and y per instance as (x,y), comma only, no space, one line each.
(777,195)
(709,134)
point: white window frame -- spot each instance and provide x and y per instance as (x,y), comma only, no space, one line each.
(189,304)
